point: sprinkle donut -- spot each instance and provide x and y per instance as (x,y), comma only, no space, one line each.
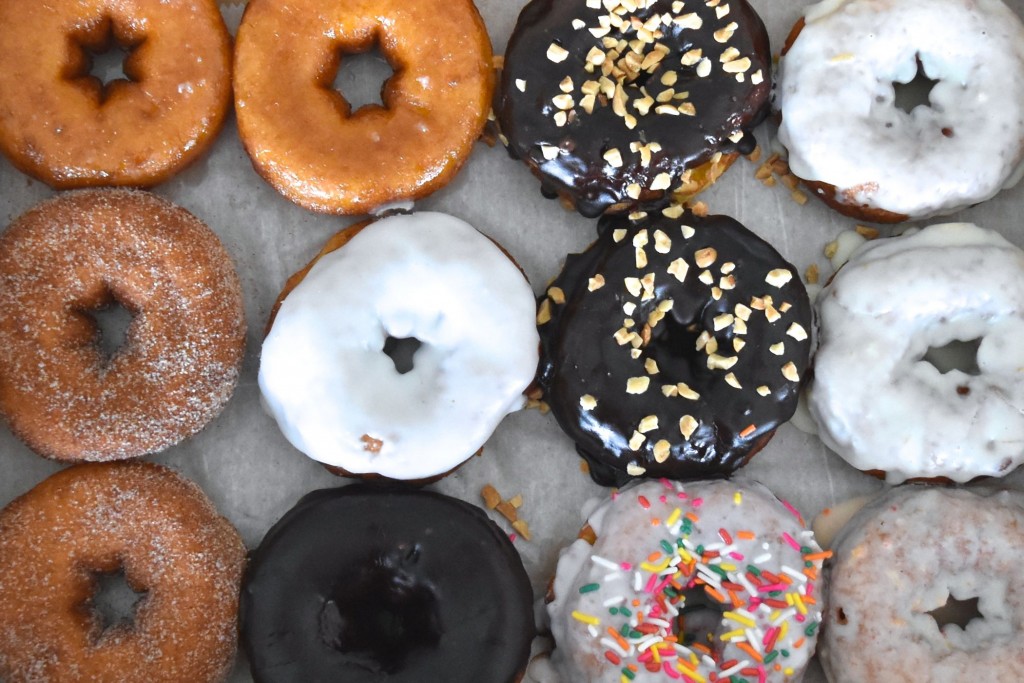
(711,581)
(337,395)
(616,104)
(878,402)
(898,560)
(867,157)
(141,519)
(63,127)
(303,137)
(424,587)
(84,251)
(673,347)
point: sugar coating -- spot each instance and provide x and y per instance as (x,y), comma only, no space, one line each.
(182,352)
(170,542)
(839,119)
(877,402)
(337,396)
(901,557)
(660,537)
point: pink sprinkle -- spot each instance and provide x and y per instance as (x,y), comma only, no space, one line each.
(615,495)
(650,583)
(801,618)
(663,498)
(761,677)
(645,656)
(697,502)
(769,637)
(682,495)
(793,511)
(736,556)
(808,588)
(789,539)
(670,671)
(626,566)
(661,586)
(512,537)
(665,482)
(772,587)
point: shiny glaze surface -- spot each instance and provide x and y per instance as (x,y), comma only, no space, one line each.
(593,346)
(723,106)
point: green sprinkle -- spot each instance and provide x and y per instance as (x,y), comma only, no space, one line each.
(628,674)
(768,658)
(589,588)
(753,570)
(635,634)
(613,610)
(666,546)
(624,630)
(626,611)
(700,550)
(718,570)
(785,653)
(804,550)
(811,629)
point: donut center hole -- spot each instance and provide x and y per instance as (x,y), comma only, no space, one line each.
(956,355)
(114,603)
(699,620)
(101,56)
(402,352)
(361,78)
(379,616)
(112,323)
(915,93)
(956,612)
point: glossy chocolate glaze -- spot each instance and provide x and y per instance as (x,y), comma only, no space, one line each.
(723,105)
(588,347)
(371,583)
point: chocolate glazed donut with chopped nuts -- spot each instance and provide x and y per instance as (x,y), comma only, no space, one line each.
(673,346)
(614,106)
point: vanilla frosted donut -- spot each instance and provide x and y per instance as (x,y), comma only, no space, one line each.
(673,562)
(877,402)
(900,558)
(338,397)
(842,128)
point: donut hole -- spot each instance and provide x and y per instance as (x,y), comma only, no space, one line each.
(361,77)
(956,355)
(113,602)
(112,321)
(402,352)
(700,619)
(956,613)
(381,614)
(915,92)
(101,58)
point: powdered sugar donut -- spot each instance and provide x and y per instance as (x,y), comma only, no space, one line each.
(869,158)
(898,560)
(660,566)
(878,402)
(337,395)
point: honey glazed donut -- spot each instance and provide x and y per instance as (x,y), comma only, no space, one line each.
(302,135)
(65,128)
(86,250)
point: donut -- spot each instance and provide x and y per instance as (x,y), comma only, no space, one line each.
(902,558)
(867,157)
(82,252)
(877,400)
(424,588)
(96,519)
(337,395)
(303,137)
(714,581)
(618,104)
(674,346)
(64,127)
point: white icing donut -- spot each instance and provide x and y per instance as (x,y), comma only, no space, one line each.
(338,397)
(877,402)
(839,119)
(901,558)
(661,545)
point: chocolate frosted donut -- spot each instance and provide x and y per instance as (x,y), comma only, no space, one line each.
(673,347)
(613,107)
(384,584)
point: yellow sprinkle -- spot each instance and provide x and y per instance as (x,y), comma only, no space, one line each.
(585,618)
(739,619)
(690,673)
(783,631)
(655,568)
(737,498)
(674,517)
(728,567)
(733,635)
(800,606)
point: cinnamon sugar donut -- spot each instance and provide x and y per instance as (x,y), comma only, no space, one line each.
(60,125)
(156,527)
(84,251)
(303,137)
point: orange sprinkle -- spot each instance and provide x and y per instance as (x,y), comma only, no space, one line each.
(746,535)
(654,557)
(713,593)
(798,643)
(701,647)
(655,521)
(737,601)
(785,578)
(636,602)
(823,555)
(632,667)
(618,638)
(748,431)
(692,516)
(752,652)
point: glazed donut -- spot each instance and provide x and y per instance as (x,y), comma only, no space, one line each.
(144,520)
(902,557)
(673,347)
(867,157)
(337,395)
(303,137)
(424,588)
(63,127)
(84,251)
(878,402)
(714,581)
(613,105)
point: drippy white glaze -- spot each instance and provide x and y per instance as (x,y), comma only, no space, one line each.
(592,583)
(877,402)
(839,119)
(331,388)
(899,559)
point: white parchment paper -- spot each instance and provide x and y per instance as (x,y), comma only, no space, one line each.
(251,472)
